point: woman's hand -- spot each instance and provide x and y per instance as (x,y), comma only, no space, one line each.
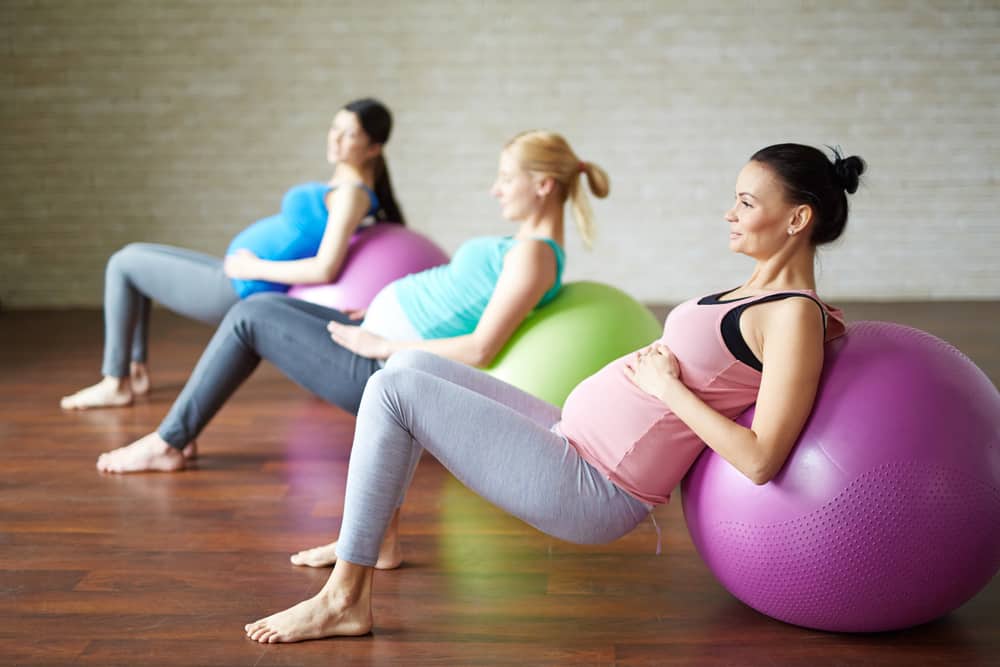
(356,314)
(241,265)
(653,369)
(359,341)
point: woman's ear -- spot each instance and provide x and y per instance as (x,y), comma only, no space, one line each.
(545,186)
(374,150)
(802,217)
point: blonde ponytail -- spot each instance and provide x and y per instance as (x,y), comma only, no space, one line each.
(549,154)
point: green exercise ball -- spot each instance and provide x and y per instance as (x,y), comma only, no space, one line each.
(572,337)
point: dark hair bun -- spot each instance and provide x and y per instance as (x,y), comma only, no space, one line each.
(809,177)
(848,171)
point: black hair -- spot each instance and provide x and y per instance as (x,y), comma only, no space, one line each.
(376,121)
(809,177)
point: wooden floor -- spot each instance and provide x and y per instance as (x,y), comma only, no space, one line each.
(165,569)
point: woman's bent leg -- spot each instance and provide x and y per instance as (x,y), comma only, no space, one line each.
(542,413)
(290,334)
(545,414)
(501,454)
(504,456)
(187,282)
(276,328)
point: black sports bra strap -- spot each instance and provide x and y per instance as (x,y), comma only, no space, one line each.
(733,338)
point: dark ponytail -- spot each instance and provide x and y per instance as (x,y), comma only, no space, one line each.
(389,210)
(810,178)
(376,120)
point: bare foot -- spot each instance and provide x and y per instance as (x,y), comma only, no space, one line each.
(108,393)
(389,558)
(324,615)
(139,378)
(191,451)
(149,452)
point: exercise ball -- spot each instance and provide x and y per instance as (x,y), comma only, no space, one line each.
(375,257)
(886,513)
(573,336)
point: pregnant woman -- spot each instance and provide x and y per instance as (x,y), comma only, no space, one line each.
(627,435)
(305,243)
(465,310)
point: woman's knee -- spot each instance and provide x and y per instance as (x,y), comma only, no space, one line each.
(244,314)
(127,257)
(259,307)
(396,386)
(416,359)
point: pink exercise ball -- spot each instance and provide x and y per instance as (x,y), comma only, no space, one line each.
(886,514)
(375,257)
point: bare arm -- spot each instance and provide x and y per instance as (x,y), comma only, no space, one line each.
(347,207)
(529,270)
(792,349)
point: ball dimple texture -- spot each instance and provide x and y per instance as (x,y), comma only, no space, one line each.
(909,527)
(851,560)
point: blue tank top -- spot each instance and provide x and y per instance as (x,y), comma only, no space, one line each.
(449,300)
(295,233)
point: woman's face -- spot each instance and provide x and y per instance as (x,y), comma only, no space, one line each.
(760,217)
(516,189)
(348,142)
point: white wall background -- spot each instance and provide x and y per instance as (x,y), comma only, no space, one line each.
(183,121)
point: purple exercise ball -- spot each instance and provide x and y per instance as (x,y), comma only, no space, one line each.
(375,257)
(886,514)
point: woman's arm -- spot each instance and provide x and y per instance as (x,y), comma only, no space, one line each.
(529,270)
(347,208)
(791,335)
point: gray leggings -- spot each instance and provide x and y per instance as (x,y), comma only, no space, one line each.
(187,282)
(289,333)
(493,437)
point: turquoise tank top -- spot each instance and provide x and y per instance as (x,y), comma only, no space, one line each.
(294,233)
(449,300)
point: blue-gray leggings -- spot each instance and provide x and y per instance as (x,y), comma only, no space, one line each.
(289,333)
(493,437)
(187,282)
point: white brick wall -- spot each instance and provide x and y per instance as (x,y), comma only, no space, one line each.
(182,122)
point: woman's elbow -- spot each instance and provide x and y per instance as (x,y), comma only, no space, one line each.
(765,469)
(760,476)
(480,354)
(326,272)
(757,472)
(479,358)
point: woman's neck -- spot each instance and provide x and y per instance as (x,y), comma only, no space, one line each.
(344,172)
(548,223)
(784,272)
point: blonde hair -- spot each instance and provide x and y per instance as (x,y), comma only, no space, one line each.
(549,154)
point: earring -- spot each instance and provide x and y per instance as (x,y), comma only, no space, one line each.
(791,231)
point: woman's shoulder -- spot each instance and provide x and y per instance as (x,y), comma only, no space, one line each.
(353,193)
(540,247)
(536,249)
(798,309)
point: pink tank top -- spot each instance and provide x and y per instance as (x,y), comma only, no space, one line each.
(633,438)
